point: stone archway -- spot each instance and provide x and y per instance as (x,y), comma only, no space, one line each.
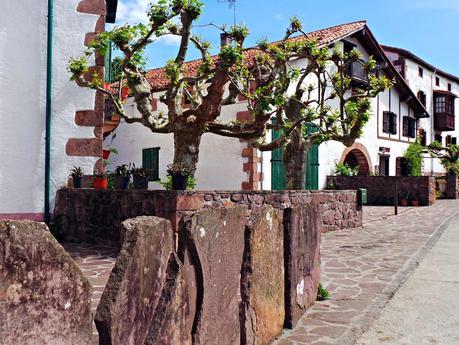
(357,155)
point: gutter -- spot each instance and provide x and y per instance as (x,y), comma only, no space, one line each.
(49,84)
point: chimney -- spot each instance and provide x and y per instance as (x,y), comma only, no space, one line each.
(225,39)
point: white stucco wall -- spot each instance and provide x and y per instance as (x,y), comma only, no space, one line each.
(220,164)
(23,42)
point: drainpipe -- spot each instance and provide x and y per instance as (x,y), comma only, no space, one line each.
(49,84)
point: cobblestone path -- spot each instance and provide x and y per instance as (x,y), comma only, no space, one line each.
(362,269)
(96,263)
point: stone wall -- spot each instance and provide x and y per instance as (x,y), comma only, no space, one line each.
(381,189)
(234,275)
(88,215)
(452,187)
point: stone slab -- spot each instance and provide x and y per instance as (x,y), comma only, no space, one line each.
(44,297)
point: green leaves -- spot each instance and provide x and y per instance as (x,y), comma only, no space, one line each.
(77,67)
(413,155)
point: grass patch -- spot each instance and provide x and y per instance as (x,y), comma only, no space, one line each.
(322,293)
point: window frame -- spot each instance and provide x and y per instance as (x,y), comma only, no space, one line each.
(389,122)
(153,173)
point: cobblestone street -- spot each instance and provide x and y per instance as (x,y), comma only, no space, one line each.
(363,268)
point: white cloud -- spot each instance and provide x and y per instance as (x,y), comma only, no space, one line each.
(170,40)
(279,16)
(132,11)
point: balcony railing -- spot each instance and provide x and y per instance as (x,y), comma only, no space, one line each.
(444,122)
(358,73)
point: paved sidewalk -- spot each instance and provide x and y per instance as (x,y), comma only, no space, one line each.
(363,268)
(425,309)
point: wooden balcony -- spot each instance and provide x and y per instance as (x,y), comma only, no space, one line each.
(357,73)
(444,122)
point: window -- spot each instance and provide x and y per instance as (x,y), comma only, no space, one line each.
(409,127)
(422,97)
(150,162)
(389,122)
(384,165)
(421,72)
(449,87)
(448,140)
(453,141)
(438,138)
(437,81)
(444,104)
(423,137)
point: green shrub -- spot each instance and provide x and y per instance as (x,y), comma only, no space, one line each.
(413,156)
(322,293)
(343,169)
(190,183)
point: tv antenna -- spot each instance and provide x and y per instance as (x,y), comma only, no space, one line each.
(232,5)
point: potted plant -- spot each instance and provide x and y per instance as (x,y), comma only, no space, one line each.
(404,201)
(77,176)
(100,181)
(106,152)
(121,177)
(140,177)
(415,202)
(179,173)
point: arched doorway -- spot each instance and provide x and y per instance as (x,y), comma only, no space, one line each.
(357,156)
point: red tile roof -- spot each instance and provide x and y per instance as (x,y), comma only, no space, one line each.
(158,81)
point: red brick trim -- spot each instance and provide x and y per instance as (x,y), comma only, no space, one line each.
(38,217)
(92,7)
(251,168)
(88,118)
(84,147)
(244,116)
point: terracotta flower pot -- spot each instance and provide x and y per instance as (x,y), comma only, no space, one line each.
(105,154)
(100,183)
(124,92)
(415,203)
(404,202)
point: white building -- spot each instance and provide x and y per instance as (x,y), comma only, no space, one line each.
(438,91)
(231,164)
(75,114)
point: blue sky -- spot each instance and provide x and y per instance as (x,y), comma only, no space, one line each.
(428,28)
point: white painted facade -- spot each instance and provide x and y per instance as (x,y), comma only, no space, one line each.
(427,84)
(23,45)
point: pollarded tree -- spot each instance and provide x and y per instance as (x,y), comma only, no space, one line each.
(205,88)
(319,94)
(449,156)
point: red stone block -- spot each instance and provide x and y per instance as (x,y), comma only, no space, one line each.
(90,118)
(92,7)
(84,147)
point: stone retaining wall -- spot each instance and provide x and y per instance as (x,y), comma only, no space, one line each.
(381,189)
(88,215)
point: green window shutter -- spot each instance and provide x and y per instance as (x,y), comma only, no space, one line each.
(277,164)
(150,162)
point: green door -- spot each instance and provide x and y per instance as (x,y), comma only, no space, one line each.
(278,169)
(312,164)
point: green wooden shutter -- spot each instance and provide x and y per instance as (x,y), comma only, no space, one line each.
(312,164)
(277,165)
(150,162)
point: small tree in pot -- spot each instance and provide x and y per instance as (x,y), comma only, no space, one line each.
(140,177)
(179,173)
(77,176)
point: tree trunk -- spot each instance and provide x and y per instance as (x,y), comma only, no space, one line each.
(295,161)
(186,146)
